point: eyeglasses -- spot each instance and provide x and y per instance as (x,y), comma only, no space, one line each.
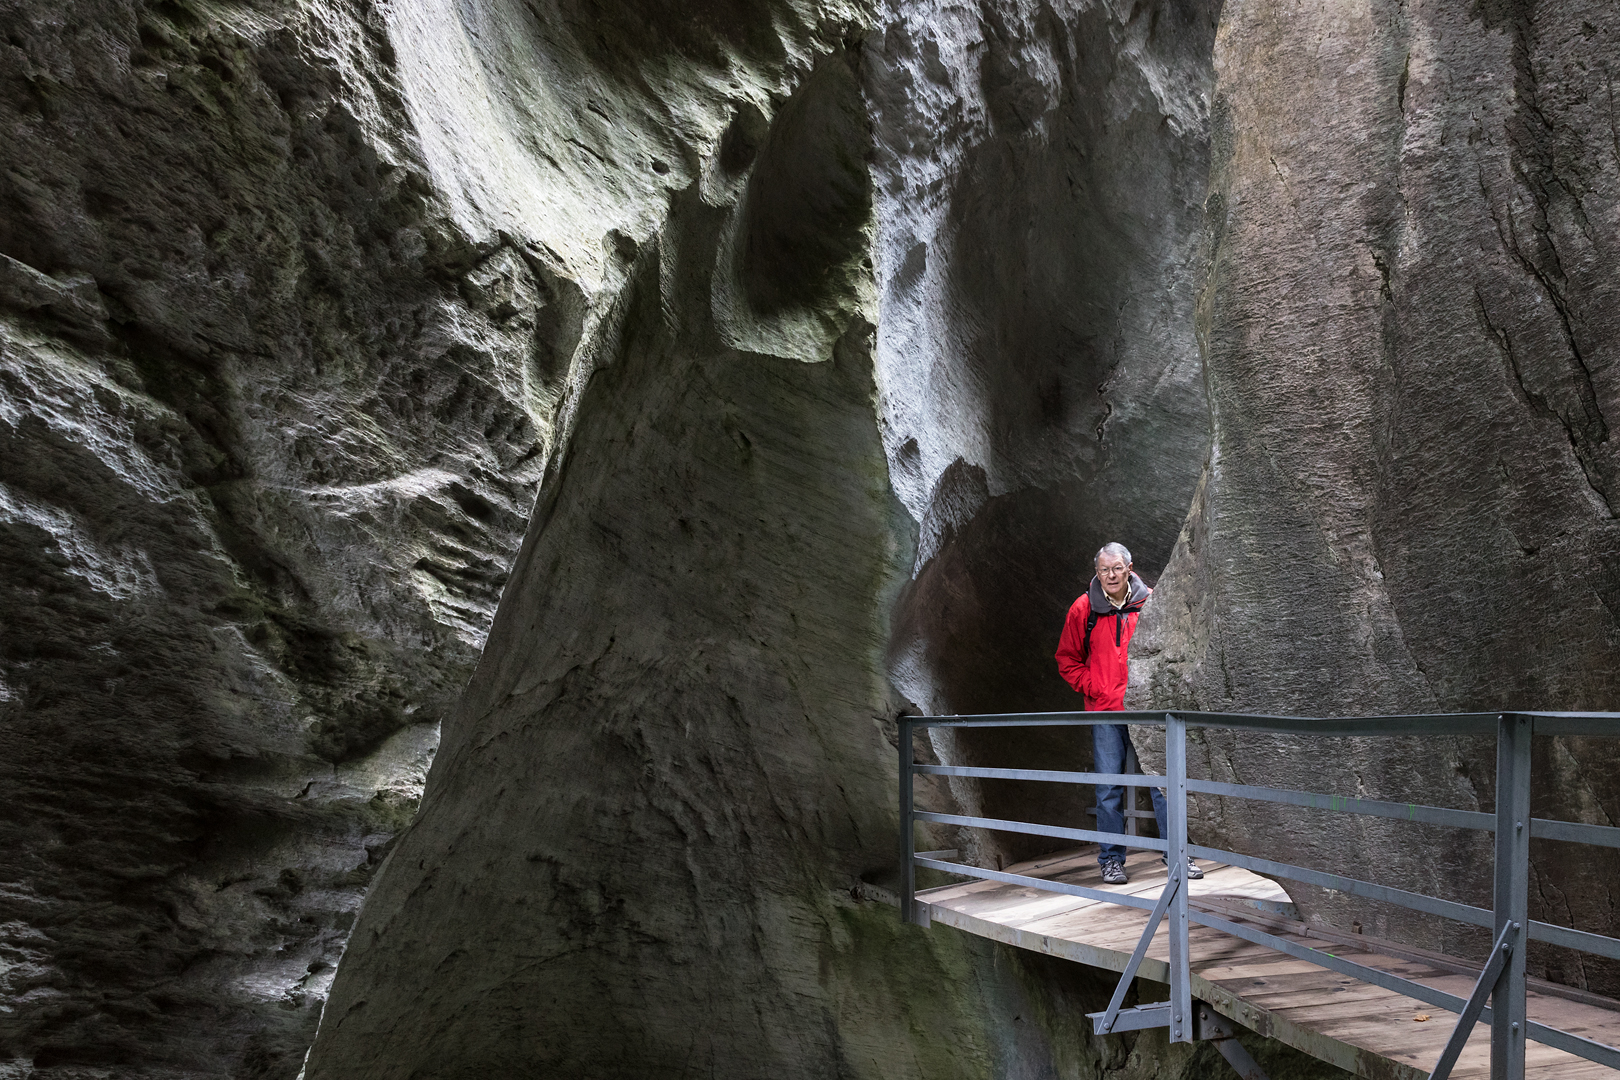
(1113,571)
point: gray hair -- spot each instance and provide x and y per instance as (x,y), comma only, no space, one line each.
(1116,549)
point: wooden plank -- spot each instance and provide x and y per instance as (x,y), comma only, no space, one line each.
(952,894)
(1579,1018)
(1011,902)
(1305,991)
(1335,1053)
(1357,1026)
(1258,962)
(1560,1070)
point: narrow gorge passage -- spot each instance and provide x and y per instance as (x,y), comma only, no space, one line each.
(651,403)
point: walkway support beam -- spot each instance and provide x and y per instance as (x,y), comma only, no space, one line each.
(908,831)
(1215,1028)
(1175,767)
(1512,893)
(1476,1004)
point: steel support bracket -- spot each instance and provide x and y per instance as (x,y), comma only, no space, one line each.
(1210,1026)
(1104,1022)
(1156,1015)
(1483,986)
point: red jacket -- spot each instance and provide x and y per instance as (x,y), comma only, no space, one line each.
(1105,671)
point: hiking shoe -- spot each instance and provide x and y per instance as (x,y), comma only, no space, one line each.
(1193,873)
(1113,871)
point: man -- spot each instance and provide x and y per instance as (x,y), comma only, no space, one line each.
(1093,657)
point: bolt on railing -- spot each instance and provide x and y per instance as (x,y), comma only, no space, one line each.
(1502,980)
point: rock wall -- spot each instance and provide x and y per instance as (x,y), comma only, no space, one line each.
(1410,329)
(270,430)
(299,302)
(643,841)
(832,341)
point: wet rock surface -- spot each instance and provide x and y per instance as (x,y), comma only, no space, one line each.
(1408,505)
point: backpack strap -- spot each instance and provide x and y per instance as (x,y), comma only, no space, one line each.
(1085,642)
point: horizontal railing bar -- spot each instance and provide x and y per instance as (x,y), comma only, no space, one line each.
(1427,994)
(1146,843)
(1559,723)
(1079,719)
(1430,815)
(1437,724)
(1416,901)
(1482,723)
(1540,828)
(1602,1053)
(1046,775)
(1125,899)
(1443,724)
(1597,944)
(1575,832)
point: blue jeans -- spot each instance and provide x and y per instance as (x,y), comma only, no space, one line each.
(1111,744)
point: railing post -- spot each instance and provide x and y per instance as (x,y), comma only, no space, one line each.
(1512,893)
(1132,766)
(1175,767)
(908,850)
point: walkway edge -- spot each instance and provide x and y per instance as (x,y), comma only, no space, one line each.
(1352,1059)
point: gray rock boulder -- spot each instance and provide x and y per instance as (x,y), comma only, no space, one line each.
(1408,506)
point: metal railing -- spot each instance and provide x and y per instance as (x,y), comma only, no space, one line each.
(1502,980)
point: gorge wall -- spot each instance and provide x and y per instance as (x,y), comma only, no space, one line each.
(1411,335)
(301,302)
(270,430)
(775,366)
(670,781)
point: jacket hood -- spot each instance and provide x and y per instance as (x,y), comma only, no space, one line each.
(1099,600)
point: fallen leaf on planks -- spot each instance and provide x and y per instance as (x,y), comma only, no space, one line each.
(1419,1018)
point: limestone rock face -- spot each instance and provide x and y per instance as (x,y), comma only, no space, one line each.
(1411,335)
(1040,243)
(643,840)
(643,845)
(270,432)
(665,396)
(300,302)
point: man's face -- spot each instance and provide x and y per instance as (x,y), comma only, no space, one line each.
(1114,573)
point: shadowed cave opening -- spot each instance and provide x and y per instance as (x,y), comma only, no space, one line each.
(990,606)
(1054,299)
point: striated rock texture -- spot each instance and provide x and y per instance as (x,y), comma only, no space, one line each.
(270,429)
(643,845)
(1412,334)
(300,301)
(644,842)
(831,341)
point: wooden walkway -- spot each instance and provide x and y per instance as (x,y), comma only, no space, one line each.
(1364,1029)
